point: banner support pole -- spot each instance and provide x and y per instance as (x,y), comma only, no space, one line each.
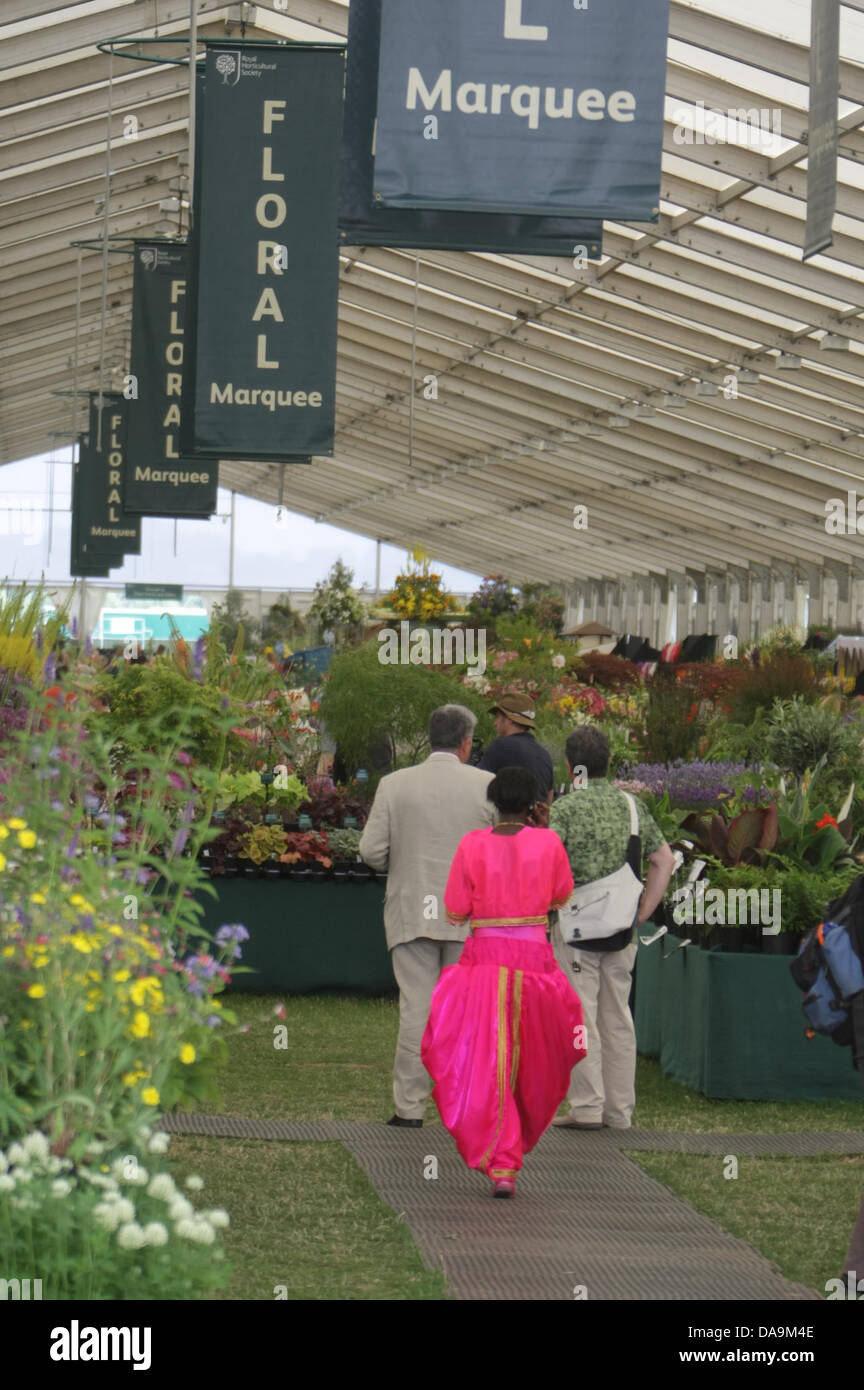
(413,363)
(105,223)
(193,53)
(231,544)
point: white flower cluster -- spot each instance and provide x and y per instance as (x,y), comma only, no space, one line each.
(32,1158)
(114,1211)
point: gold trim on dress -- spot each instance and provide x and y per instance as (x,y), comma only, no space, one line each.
(502,1056)
(508,921)
(517,1011)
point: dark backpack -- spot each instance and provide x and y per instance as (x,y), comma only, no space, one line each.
(829,968)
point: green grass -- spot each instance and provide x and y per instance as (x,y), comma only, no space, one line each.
(305,1222)
(304,1216)
(337,1065)
(797,1212)
(665,1104)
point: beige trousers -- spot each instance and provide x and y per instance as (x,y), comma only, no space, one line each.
(416,965)
(603,1085)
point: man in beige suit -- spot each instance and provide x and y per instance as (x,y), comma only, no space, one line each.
(418,817)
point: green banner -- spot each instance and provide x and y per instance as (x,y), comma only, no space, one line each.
(158,479)
(265,253)
(171,592)
(104,527)
(80,565)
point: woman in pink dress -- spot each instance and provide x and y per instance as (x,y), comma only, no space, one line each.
(505,1025)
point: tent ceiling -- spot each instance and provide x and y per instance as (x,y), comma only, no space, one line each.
(527,351)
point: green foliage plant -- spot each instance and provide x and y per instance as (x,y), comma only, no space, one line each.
(799,735)
(364,700)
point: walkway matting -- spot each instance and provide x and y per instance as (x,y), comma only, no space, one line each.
(587,1221)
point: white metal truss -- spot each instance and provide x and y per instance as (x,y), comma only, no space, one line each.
(528,354)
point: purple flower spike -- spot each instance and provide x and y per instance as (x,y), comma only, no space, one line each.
(74,627)
(180,842)
(50,667)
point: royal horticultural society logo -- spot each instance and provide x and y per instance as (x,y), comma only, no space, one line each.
(229,66)
(151,257)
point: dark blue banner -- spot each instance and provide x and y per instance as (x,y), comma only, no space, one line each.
(262,373)
(365,222)
(522,106)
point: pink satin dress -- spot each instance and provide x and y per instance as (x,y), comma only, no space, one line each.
(505,1024)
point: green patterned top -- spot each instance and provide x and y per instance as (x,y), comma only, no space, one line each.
(594,823)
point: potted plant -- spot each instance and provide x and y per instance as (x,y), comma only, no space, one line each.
(222,852)
(261,847)
(308,854)
(344,845)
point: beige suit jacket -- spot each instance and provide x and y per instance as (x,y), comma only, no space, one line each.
(418,817)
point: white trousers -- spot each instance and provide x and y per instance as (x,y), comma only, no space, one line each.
(603,1085)
(416,965)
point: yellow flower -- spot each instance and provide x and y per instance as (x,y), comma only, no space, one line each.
(129,1078)
(16,823)
(36,991)
(38,898)
(81,943)
(89,1008)
(215,1004)
(26,839)
(141,1025)
(121,975)
(150,1095)
(25,1023)
(8,950)
(40,961)
(187,1053)
(2,862)
(4,833)
(116,931)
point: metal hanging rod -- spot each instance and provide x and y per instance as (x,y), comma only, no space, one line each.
(110,46)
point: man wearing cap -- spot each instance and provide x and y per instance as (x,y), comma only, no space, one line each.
(516,745)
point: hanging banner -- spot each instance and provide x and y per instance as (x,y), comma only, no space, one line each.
(158,480)
(522,106)
(265,255)
(822,134)
(105,529)
(80,566)
(364,222)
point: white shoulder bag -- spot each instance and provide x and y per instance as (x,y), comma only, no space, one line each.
(608,905)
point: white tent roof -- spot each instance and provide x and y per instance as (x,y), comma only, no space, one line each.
(527,351)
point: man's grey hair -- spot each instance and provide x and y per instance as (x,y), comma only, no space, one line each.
(449,726)
(588,747)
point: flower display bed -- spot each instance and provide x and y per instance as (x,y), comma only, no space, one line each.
(731,1026)
(313,938)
